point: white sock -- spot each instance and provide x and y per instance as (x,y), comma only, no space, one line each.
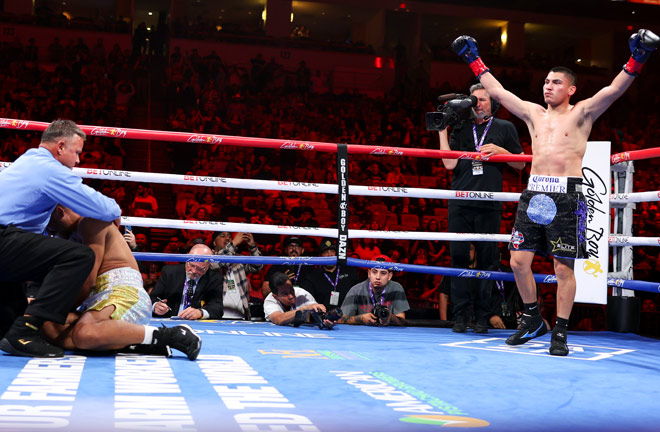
(148,334)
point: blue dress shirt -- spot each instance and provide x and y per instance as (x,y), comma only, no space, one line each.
(32,186)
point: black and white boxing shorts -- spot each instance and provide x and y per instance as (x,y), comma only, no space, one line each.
(551,218)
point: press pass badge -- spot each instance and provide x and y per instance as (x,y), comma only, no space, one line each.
(334,298)
(477,168)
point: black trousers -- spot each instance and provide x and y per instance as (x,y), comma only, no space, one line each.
(473,220)
(59,265)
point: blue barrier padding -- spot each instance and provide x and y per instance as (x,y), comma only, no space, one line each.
(446,271)
(152,256)
(653,287)
(413,268)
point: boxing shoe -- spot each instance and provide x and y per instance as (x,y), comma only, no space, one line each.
(148,349)
(180,337)
(23,339)
(558,346)
(532,326)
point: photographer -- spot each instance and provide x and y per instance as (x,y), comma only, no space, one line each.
(490,136)
(287,304)
(377,300)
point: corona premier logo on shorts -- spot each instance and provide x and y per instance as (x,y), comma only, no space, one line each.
(111,132)
(383,151)
(204,139)
(592,267)
(293,145)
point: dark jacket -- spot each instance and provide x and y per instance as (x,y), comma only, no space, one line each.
(208,293)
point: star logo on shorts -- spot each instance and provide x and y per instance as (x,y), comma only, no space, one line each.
(561,246)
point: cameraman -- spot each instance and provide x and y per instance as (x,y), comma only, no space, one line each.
(288,304)
(377,300)
(490,136)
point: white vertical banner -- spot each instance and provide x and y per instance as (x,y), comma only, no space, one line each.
(591,273)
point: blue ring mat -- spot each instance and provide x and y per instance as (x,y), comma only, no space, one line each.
(254,376)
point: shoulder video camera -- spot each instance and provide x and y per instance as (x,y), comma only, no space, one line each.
(455,108)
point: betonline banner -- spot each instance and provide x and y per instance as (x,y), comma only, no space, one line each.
(591,273)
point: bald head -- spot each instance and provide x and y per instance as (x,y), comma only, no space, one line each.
(196,270)
(200,249)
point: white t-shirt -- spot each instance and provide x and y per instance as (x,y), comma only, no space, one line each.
(272,305)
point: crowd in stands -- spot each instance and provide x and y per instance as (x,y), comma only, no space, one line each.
(207,94)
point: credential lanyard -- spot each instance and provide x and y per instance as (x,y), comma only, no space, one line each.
(334,286)
(479,142)
(373,298)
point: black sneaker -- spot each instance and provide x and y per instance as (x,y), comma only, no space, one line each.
(459,327)
(23,340)
(156,350)
(180,337)
(480,327)
(532,326)
(558,346)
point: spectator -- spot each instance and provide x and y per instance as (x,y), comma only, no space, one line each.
(291,247)
(186,206)
(235,285)
(144,204)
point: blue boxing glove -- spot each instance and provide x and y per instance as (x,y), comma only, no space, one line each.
(466,47)
(642,44)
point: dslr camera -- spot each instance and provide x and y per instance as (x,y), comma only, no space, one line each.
(332,316)
(455,108)
(381,312)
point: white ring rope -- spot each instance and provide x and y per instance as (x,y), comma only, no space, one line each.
(135,176)
(310,231)
(293,186)
(353,233)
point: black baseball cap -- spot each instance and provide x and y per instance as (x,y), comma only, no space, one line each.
(327,244)
(292,240)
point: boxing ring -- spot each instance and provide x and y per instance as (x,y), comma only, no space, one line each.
(254,376)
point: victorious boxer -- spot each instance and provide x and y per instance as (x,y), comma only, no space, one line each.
(551,214)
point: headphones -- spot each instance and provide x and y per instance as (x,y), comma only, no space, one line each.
(494,105)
